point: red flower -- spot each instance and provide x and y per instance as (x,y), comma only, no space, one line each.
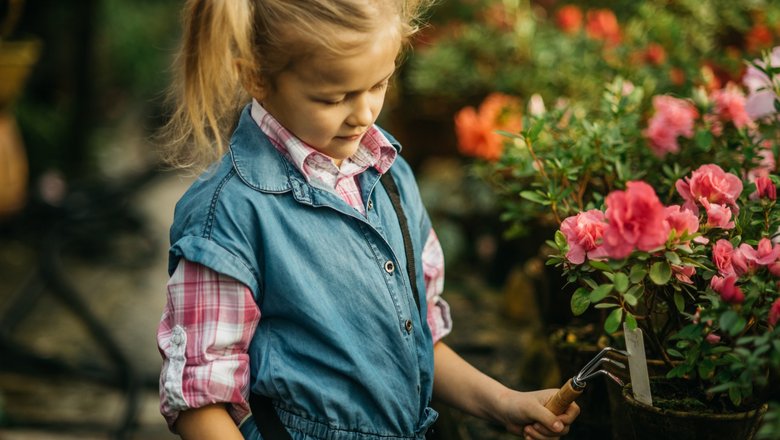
(758,37)
(774,312)
(765,188)
(636,220)
(569,19)
(603,25)
(477,130)
(728,289)
(655,54)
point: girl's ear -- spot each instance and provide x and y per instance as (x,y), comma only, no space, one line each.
(250,79)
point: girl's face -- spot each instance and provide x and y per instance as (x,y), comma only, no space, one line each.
(329,102)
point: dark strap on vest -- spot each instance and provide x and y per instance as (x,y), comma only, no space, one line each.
(395,198)
(266,418)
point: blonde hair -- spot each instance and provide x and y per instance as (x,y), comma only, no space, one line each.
(229,46)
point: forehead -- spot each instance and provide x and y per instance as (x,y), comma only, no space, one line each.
(366,60)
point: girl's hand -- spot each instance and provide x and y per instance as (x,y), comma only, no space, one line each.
(524,414)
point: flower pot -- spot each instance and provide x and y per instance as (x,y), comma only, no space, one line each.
(622,429)
(651,423)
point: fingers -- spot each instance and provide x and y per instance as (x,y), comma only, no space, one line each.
(539,432)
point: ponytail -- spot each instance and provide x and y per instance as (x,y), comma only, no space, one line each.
(206,93)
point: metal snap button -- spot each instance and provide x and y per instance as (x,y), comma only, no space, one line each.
(389,266)
(408,326)
(370,205)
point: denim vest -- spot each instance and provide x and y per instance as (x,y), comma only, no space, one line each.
(341,348)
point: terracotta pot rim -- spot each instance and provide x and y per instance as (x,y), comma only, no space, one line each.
(741,415)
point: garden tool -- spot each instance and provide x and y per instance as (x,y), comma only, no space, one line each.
(576,385)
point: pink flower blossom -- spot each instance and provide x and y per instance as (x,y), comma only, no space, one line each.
(763,255)
(681,221)
(767,163)
(712,338)
(774,312)
(765,189)
(684,273)
(636,220)
(728,289)
(761,98)
(718,216)
(730,106)
(722,256)
(673,118)
(774,268)
(712,183)
(583,234)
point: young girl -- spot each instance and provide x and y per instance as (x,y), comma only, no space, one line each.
(305,274)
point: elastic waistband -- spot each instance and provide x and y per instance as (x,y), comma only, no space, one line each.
(297,424)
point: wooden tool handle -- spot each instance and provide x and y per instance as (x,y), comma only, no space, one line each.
(563,398)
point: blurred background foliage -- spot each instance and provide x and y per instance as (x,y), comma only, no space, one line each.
(103,67)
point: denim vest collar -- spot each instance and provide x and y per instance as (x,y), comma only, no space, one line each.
(259,164)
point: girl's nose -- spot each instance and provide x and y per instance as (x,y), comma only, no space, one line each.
(362,114)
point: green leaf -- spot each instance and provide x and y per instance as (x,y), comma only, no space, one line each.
(631,321)
(600,292)
(534,197)
(679,302)
(580,301)
(660,272)
(600,265)
(672,258)
(605,306)
(706,367)
(560,240)
(630,299)
(675,353)
(728,319)
(613,321)
(637,273)
(735,395)
(621,282)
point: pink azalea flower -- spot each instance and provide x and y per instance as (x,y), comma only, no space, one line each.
(730,106)
(761,98)
(774,312)
(722,256)
(583,234)
(712,338)
(774,268)
(712,183)
(728,289)
(718,216)
(765,189)
(684,273)
(763,255)
(636,220)
(681,221)
(673,118)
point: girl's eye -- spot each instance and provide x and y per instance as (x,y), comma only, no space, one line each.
(381,85)
(330,101)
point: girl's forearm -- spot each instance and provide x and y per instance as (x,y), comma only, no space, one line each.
(208,422)
(460,385)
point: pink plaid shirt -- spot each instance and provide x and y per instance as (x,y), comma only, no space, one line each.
(209,318)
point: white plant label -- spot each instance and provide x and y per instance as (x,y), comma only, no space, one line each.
(637,365)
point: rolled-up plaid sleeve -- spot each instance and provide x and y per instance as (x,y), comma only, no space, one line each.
(204,334)
(439,318)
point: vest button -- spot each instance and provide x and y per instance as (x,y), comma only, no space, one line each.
(389,266)
(370,205)
(408,326)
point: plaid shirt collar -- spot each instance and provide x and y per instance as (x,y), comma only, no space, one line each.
(375,150)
